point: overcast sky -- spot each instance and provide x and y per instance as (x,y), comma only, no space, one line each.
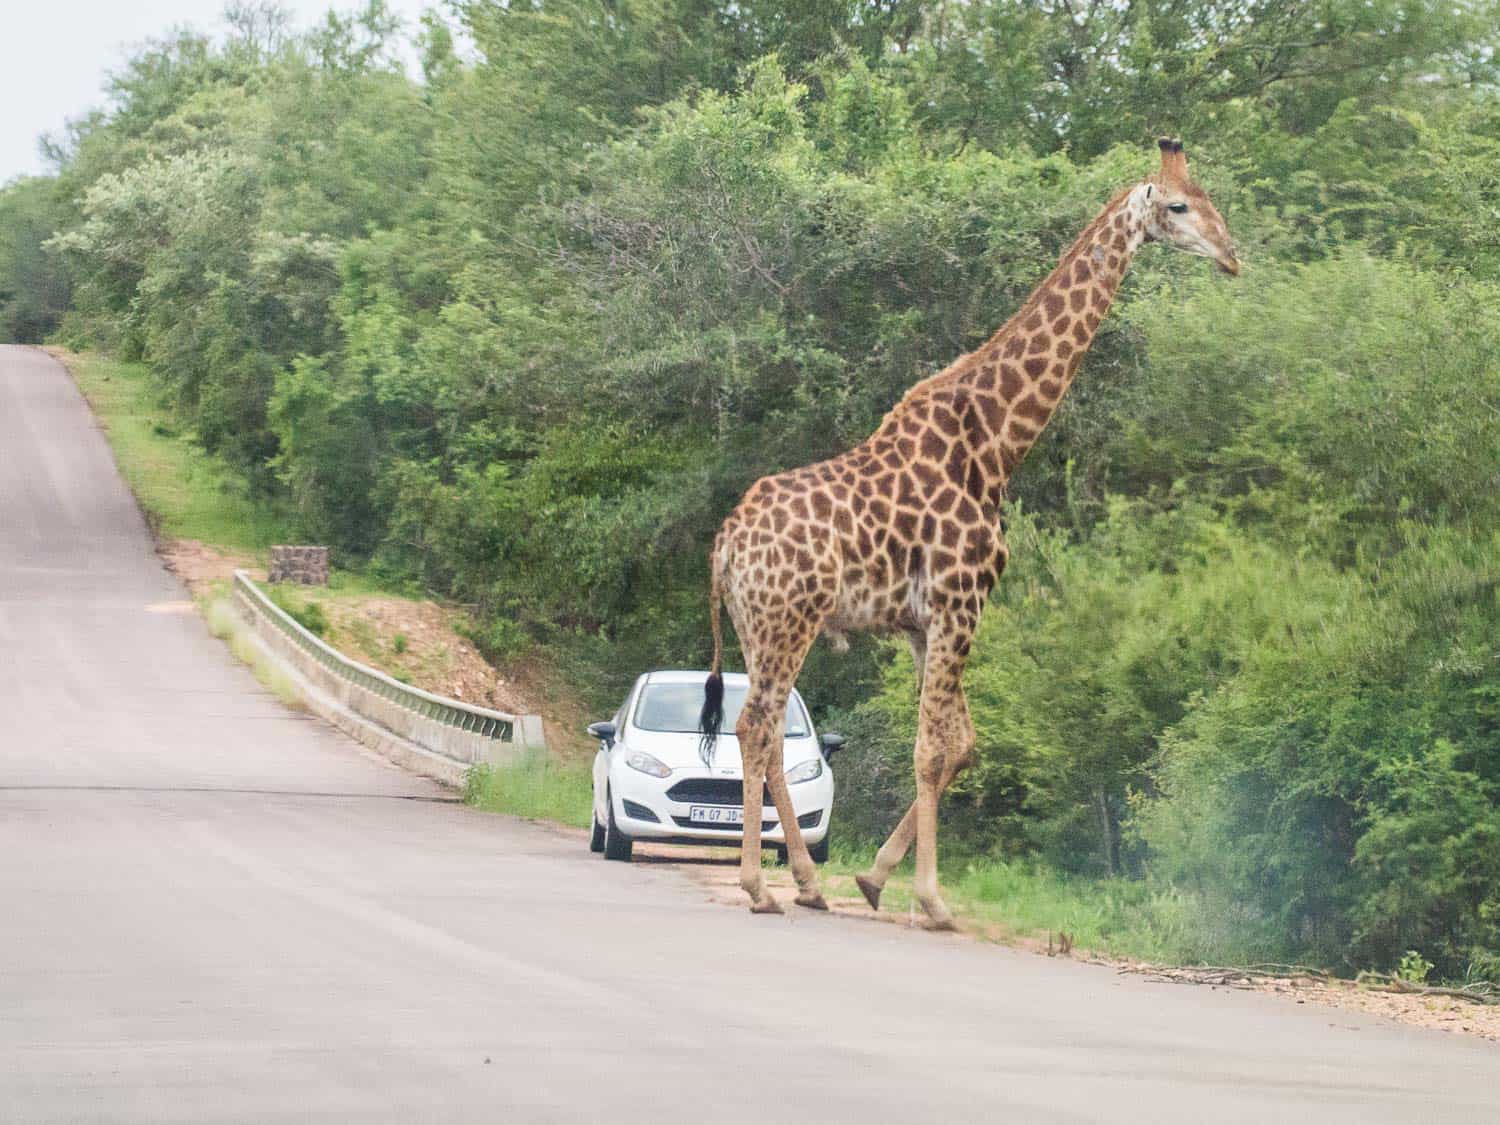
(54,55)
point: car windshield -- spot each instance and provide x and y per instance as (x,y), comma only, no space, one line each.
(675,707)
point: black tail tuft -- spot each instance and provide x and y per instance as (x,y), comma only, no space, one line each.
(712,716)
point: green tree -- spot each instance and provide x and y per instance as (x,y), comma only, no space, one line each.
(34,288)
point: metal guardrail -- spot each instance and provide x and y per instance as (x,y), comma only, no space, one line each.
(463,716)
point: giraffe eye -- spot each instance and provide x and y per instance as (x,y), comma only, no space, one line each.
(1177,208)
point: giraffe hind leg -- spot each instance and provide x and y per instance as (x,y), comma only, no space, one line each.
(751,731)
(760,729)
(804,870)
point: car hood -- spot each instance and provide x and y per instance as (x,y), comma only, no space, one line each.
(678,751)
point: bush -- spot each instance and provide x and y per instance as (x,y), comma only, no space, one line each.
(1345,783)
(308,614)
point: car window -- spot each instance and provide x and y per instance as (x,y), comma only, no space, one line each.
(675,707)
(623,714)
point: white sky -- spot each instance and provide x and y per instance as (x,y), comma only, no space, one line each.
(54,55)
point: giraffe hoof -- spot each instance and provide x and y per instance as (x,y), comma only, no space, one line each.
(870,890)
(767,905)
(812,900)
(942,925)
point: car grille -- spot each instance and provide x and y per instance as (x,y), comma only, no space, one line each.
(713,791)
(640,812)
(689,822)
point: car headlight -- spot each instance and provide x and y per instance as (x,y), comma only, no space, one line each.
(640,760)
(805,772)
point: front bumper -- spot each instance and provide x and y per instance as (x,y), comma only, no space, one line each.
(645,809)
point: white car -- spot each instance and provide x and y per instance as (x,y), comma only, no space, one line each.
(651,784)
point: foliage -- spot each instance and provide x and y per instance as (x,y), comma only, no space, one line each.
(34,289)
(1413,967)
(518,332)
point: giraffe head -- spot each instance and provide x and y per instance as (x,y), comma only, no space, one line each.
(1180,214)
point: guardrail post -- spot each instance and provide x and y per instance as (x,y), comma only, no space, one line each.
(526,732)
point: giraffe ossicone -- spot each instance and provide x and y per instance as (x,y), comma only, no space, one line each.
(903,533)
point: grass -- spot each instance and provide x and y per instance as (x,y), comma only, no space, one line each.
(225,623)
(186,492)
(1130,918)
(1004,900)
(537,787)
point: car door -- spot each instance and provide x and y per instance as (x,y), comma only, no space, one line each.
(602,758)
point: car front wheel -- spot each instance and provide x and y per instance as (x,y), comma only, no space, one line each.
(617,845)
(596,837)
(818,851)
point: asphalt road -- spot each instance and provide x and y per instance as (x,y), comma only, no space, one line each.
(212,909)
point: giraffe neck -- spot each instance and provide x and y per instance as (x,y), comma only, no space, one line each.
(1018,378)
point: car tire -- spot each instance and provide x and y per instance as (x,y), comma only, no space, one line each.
(617,845)
(596,837)
(818,851)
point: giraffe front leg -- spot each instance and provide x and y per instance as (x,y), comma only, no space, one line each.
(892,852)
(945,746)
(925,886)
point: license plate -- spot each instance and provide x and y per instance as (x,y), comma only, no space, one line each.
(715,814)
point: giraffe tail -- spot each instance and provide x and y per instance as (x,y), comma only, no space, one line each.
(711,718)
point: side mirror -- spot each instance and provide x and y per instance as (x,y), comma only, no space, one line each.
(604,732)
(832,744)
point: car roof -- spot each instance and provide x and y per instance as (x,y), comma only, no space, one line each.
(692,676)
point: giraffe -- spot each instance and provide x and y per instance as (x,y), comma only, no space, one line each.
(903,533)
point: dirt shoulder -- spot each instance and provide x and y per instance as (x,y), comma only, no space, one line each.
(716,872)
(201,567)
(1436,1012)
